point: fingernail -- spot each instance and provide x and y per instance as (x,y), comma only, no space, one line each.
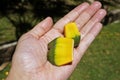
(99,15)
(93,8)
(82,6)
(97,4)
(47,18)
(102,12)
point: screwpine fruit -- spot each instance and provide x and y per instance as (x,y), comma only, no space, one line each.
(61,49)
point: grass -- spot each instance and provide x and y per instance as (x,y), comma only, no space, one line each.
(7,31)
(100,62)
(4,73)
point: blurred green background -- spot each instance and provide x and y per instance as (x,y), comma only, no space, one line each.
(100,62)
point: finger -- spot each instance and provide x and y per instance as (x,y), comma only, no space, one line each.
(87,14)
(87,40)
(84,44)
(71,16)
(96,18)
(41,28)
(50,35)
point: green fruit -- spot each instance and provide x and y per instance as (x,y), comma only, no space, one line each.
(61,51)
(71,31)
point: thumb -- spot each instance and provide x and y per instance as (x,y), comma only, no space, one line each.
(42,27)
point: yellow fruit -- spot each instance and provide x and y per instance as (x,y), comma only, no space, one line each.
(71,31)
(61,51)
(6,73)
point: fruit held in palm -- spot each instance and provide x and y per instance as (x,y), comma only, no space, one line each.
(61,51)
(71,31)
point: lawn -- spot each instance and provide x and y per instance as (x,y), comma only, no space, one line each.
(7,31)
(101,61)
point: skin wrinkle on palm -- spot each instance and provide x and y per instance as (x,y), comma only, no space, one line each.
(35,66)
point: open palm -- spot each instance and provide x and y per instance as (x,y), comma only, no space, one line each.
(30,58)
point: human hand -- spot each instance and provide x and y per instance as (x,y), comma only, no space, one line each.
(30,58)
